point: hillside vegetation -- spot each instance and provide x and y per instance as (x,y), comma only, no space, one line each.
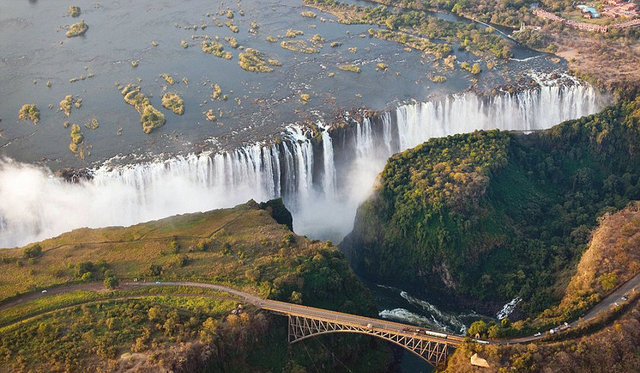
(244,247)
(615,349)
(612,254)
(613,258)
(498,215)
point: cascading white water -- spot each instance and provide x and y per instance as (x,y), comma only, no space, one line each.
(34,204)
(329,174)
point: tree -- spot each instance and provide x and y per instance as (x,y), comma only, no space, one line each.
(493,332)
(296,297)
(478,328)
(111,282)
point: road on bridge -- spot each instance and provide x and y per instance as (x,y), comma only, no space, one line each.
(326,315)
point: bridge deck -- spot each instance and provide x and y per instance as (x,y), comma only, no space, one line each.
(356,321)
(320,314)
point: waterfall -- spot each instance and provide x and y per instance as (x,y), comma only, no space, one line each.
(322,180)
(329,176)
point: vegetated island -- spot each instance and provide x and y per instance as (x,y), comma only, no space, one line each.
(77,29)
(216,49)
(416,29)
(29,112)
(184,329)
(256,61)
(173,102)
(150,117)
(598,49)
(74,11)
(76,139)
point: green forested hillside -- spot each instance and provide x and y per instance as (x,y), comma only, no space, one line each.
(495,215)
(179,329)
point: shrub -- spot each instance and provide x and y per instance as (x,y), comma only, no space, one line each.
(32,252)
(155,270)
(74,11)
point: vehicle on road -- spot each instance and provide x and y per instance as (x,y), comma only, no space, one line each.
(158,282)
(537,334)
(435,334)
(44,291)
(624,298)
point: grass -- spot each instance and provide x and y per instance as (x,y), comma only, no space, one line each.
(131,251)
(173,102)
(29,112)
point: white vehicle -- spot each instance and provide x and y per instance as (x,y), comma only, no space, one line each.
(369,326)
(44,291)
(441,335)
(483,342)
(537,334)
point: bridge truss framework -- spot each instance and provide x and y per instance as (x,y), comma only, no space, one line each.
(433,350)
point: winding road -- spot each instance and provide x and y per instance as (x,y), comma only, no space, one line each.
(627,289)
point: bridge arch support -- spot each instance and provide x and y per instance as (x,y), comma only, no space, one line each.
(432,350)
